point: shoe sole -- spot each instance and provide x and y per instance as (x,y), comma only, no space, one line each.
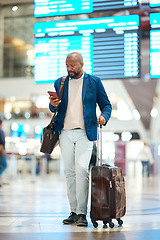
(64,222)
(82,225)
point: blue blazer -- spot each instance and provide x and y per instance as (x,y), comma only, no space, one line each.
(93,92)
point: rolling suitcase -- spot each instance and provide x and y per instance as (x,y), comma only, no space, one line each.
(108,198)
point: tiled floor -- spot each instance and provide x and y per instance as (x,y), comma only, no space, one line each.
(35,210)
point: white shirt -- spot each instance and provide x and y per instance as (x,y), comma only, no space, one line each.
(145,154)
(74,115)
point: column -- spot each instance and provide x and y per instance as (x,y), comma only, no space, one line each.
(1,41)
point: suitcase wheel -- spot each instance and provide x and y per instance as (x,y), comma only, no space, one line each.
(111,224)
(105,224)
(120,222)
(95,224)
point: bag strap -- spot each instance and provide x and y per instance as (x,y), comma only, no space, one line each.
(62,87)
(60,96)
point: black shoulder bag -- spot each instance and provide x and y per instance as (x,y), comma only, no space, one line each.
(49,140)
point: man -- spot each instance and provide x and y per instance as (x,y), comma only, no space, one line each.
(3,160)
(76,125)
(146,158)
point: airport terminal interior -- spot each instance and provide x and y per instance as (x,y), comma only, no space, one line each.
(120,43)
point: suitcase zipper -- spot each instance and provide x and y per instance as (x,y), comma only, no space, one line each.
(111,195)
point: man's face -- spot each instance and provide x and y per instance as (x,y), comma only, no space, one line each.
(74,67)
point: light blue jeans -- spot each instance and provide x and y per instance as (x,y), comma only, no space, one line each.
(76,152)
(145,168)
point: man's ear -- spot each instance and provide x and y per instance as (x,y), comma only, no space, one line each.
(82,64)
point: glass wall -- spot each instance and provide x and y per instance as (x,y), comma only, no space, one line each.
(18,52)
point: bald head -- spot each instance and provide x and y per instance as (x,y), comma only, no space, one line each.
(74,64)
(75,55)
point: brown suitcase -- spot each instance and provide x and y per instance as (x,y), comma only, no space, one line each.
(108,198)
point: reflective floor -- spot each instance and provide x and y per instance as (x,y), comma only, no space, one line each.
(33,209)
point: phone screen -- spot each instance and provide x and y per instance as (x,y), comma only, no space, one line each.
(53,94)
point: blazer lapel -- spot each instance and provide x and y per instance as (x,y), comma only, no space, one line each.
(85,83)
(65,96)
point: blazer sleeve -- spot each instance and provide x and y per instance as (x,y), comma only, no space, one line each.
(51,108)
(103,101)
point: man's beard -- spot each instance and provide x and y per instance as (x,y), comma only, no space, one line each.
(75,74)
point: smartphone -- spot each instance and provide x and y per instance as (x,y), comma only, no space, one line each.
(53,95)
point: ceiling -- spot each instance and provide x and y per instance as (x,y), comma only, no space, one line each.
(7,2)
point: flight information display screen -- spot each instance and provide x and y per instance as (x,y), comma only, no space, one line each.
(155,45)
(154,3)
(109,46)
(46,8)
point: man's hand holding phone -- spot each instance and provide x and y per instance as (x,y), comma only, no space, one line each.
(54,99)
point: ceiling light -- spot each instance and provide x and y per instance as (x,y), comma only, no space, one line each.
(30,52)
(26,128)
(154,112)
(126,136)
(38,130)
(14,9)
(15,127)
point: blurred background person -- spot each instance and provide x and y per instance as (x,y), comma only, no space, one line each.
(3,159)
(146,158)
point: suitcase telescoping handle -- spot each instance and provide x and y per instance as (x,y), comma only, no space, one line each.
(99,144)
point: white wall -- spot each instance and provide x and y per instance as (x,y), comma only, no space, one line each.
(22,88)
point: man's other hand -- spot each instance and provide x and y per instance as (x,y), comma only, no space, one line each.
(101,120)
